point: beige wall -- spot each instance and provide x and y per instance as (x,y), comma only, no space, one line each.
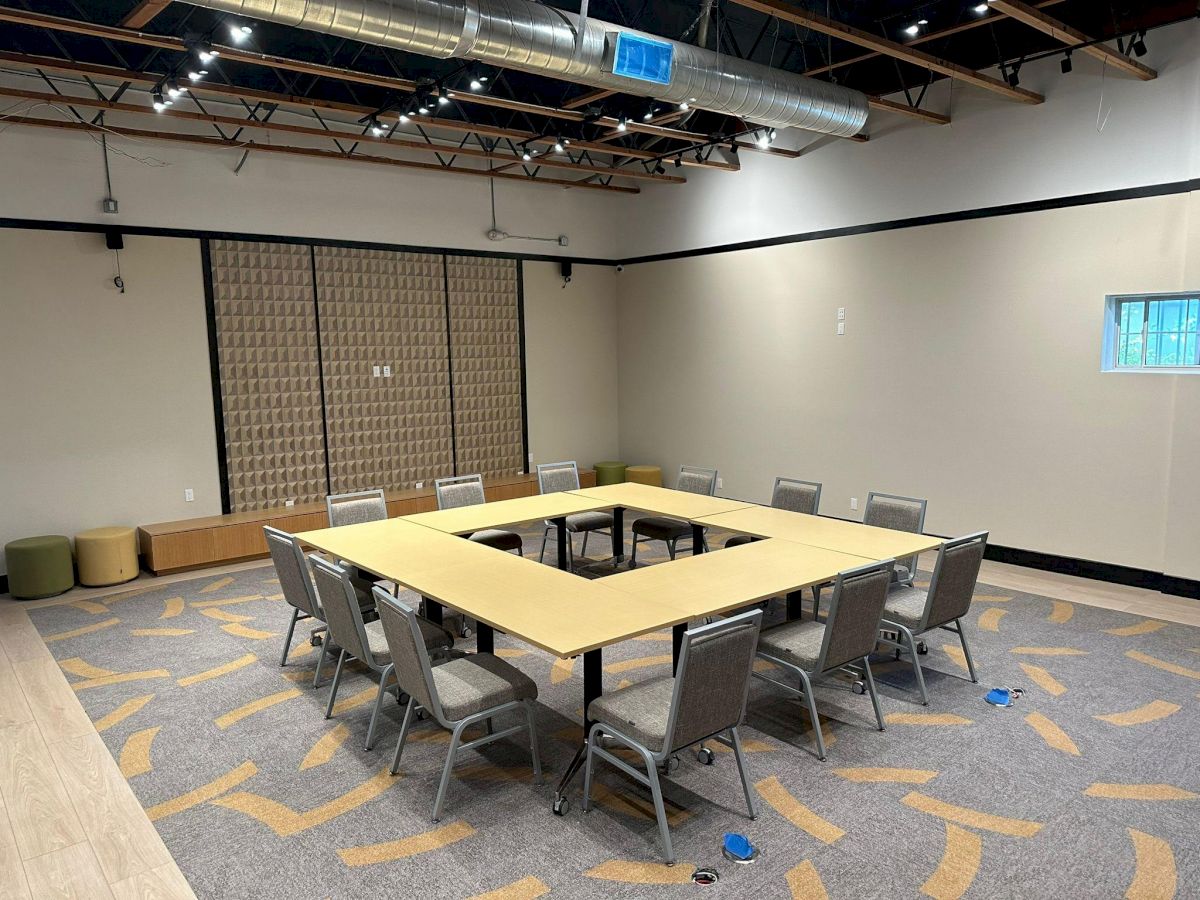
(107,405)
(571,363)
(968,374)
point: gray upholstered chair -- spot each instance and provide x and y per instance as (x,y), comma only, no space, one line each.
(355,508)
(564,476)
(847,637)
(361,640)
(457,694)
(911,611)
(705,699)
(297,588)
(791,494)
(692,479)
(467,490)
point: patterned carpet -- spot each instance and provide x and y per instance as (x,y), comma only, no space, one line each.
(1087,787)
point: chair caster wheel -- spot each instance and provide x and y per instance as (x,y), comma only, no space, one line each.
(671,765)
(922,648)
(560,806)
(420,715)
(859,687)
(705,756)
(465,633)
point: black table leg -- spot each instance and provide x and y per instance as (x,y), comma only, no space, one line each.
(795,607)
(563,560)
(433,610)
(697,539)
(676,644)
(593,687)
(618,534)
(485,638)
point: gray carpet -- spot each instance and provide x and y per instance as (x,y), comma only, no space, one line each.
(1046,798)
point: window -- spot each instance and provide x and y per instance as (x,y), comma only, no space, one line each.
(1152,333)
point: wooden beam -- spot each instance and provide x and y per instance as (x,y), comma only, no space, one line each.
(313,152)
(816,22)
(925,38)
(587,99)
(144,12)
(399,85)
(904,109)
(553,162)
(1072,37)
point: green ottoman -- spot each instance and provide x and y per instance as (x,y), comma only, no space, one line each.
(609,472)
(39,566)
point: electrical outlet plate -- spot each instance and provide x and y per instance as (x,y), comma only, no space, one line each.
(841,313)
(387,371)
(289,502)
(375,371)
(841,328)
(420,484)
(188,495)
(854,503)
(720,482)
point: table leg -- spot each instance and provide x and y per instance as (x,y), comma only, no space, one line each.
(697,539)
(563,558)
(593,687)
(618,534)
(433,610)
(485,638)
(677,644)
(795,608)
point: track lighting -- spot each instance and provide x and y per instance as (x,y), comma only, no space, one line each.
(1066,63)
(173,89)
(1014,78)
(733,148)
(526,155)
(558,145)
(912,30)
(659,170)
(159,103)
(980,9)
(240,32)
(443,96)
(423,108)
(206,53)
(377,128)
(622,123)
(478,78)
(1139,44)
(649,113)
(699,157)
(196,74)
(404,117)
(679,161)
(765,137)
(685,105)
(476,84)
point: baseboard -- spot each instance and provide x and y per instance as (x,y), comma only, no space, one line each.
(1099,571)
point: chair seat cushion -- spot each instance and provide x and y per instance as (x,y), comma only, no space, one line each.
(738,539)
(501,540)
(798,643)
(661,528)
(905,606)
(472,684)
(589,521)
(639,711)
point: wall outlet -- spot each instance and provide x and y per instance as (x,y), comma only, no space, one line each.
(387,371)
(188,495)
(854,503)
(420,484)
(375,371)
(841,313)
(841,328)
(289,502)
(720,482)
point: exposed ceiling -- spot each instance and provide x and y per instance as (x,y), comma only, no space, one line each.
(336,84)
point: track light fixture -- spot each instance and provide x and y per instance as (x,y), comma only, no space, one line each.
(684,105)
(1066,63)
(980,9)
(478,78)
(239,33)
(649,113)
(377,128)
(196,74)
(159,102)
(405,117)
(423,106)
(1014,78)
(173,89)
(443,96)
(558,145)
(733,147)
(1139,44)
(526,154)
(700,157)
(679,161)
(659,170)
(622,123)
(205,51)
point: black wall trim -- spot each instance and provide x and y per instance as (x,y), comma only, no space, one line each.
(316,293)
(524,374)
(1100,571)
(214,366)
(986,212)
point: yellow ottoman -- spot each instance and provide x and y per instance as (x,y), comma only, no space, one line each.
(644,475)
(106,556)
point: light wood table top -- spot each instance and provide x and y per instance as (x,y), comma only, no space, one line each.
(397,550)
(712,583)
(821,531)
(663,501)
(479,516)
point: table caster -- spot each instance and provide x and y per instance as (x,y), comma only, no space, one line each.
(705,756)
(560,806)
(859,687)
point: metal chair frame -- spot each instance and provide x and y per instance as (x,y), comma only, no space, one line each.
(671,549)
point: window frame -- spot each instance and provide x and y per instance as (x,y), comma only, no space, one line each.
(1110,350)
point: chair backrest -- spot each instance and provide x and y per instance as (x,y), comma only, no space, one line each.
(560,476)
(293,573)
(409,656)
(796,496)
(342,612)
(712,679)
(351,509)
(852,625)
(899,514)
(953,582)
(696,480)
(461,490)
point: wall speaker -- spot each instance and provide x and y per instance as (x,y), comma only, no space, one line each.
(114,240)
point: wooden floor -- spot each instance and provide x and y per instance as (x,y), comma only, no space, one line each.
(71,827)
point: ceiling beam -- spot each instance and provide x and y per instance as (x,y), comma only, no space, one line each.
(316,153)
(588,99)
(144,13)
(399,85)
(904,109)
(1072,37)
(552,162)
(841,31)
(205,88)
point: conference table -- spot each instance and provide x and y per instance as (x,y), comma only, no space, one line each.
(570,616)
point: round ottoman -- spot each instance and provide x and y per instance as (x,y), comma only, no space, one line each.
(609,473)
(644,475)
(106,555)
(39,566)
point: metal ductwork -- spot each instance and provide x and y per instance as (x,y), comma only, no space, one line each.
(530,37)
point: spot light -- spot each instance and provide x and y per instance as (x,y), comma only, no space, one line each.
(1066,63)
(196,74)
(659,170)
(159,103)
(240,32)
(685,105)
(404,118)
(649,113)
(1139,45)
(173,89)
(679,161)
(377,128)
(206,53)
(622,123)
(980,9)
(558,145)
(442,97)
(912,30)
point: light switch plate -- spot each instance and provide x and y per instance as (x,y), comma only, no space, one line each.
(375,371)
(854,503)
(387,371)
(188,495)
(841,328)
(841,313)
